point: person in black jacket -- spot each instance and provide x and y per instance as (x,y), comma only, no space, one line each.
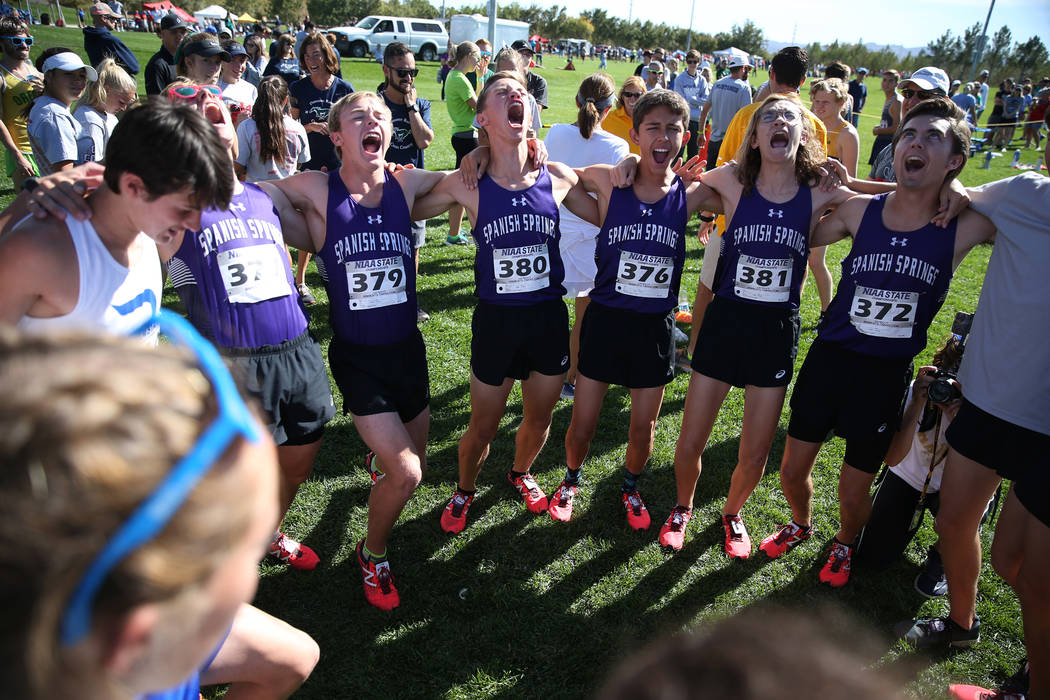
(160,70)
(100,43)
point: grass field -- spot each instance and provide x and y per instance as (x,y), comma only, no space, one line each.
(520,606)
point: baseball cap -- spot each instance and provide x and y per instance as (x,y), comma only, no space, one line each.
(862,70)
(234,48)
(521,45)
(211,30)
(739,62)
(208,47)
(929,78)
(956,82)
(101,9)
(68,61)
(984,72)
(173,21)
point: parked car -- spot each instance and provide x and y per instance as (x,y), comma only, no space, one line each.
(426,37)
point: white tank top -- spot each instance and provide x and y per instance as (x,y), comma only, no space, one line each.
(110,296)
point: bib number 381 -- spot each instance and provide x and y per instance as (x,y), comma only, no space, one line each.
(376,283)
(253,273)
(646,276)
(883,313)
(763,279)
(524,269)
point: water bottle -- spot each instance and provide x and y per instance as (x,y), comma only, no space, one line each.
(1017,159)
(987,161)
(684,314)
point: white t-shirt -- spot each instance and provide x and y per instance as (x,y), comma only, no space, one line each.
(916,465)
(53,133)
(242,93)
(248,150)
(566,145)
(95,128)
(1006,368)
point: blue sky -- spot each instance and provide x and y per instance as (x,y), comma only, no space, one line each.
(903,22)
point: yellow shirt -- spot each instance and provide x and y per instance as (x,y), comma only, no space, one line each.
(16,94)
(619,124)
(833,141)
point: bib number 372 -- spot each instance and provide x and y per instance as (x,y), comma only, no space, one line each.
(253,273)
(883,313)
(524,269)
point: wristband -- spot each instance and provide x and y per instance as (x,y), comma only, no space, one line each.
(706,219)
(30,184)
(414,107)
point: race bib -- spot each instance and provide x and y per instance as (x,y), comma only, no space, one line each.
(763,279)
(523,269)
(641,275)
(883,313)
(254,273)
(376,283)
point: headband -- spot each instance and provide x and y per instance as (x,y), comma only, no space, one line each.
(599,105)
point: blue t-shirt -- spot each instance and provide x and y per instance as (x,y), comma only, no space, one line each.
(287,68)
(403,148)
(313,106)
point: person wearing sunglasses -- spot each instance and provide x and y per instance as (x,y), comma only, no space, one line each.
(312,98)
(924,84)
(21,83)
(410,116)
(654,76)
(620,121)
(692,86)
(484,70)
(139,528)
(99,41)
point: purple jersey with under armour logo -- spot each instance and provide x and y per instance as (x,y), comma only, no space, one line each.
(240,266)
(368,255)
(640,251)
(764,251)
(893,283)
(518,261)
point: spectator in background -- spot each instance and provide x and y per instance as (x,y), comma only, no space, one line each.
(924,84)
(199,59)
(1033,130)
(160,69)
(311,99)
(672,72)
(21,82)
(270,144)
(255,45)
(483,72)
(982,97)
(99,41)
(647,56)
(840,71)
(113,92)
(891,115)
(410,119)
(967,102)
(536,84)
(654,76)
(728,96)
(1013,112)
(282,60)
(829,98)
(461,101)
(307,29)
(238,94)
(52,129)
(858,92)
(692,86)
(621,120)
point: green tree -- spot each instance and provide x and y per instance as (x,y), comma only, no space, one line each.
(1029,55)
(577,28)
(748,37)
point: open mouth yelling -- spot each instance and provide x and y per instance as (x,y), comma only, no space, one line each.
(913,164)
(779,140)
(372,142)
(516,114)
(661,155)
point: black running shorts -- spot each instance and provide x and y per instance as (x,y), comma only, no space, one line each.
(513,341)
(391,378)
(745,344)
(632,349)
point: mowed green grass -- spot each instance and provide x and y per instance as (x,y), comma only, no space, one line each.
(520,606)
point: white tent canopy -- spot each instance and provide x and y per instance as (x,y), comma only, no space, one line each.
(211,12)
(730,52)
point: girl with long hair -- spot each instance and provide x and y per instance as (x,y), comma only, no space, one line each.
(97,110)
(270,143)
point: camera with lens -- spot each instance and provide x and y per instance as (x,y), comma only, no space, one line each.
(944,387)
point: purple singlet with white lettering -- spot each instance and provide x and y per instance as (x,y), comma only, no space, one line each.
(764,251)
(518,261)
(893,283)
(368,253)
(240,266)
(641,250)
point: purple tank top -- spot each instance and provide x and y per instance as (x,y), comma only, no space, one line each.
(640,251)
(240,266)
(518,261)
(368,257)
(764,251)
(893,283)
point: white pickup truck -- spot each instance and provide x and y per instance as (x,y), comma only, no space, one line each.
(426,37)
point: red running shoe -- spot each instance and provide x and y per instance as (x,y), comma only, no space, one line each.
(560,506)
(738,543)
(637,513)
(836,570)
(531,493)
(672,534)
(378,581)
(296,555)
(786,538)
(975,692)
(454,517)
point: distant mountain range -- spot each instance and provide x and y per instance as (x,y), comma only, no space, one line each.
(901,51)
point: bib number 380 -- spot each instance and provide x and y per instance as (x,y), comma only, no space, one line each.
(376,283)
(524,269)
(883,313)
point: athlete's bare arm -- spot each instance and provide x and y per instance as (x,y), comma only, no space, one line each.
(725,188)
(39,275)
(598,179)
(450,190)
(567,190)
(972,228)
(416,183)
(306,194)
(294,226)
(842,222)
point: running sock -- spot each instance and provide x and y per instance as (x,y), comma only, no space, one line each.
(572,476)
(373,557)
(804,528)
(679,506)
(512,475)
(630,481)
(463,491)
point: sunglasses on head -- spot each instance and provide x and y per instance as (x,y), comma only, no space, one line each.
(234,420)
(909,93)
(20,41)
(190,92)
(404,72)
(631,95)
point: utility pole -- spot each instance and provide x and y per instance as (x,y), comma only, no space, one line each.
(492,24)
(689,36)
(978,50)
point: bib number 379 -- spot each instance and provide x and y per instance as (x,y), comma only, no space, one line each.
(883,313)
(376,283)
(524,269)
